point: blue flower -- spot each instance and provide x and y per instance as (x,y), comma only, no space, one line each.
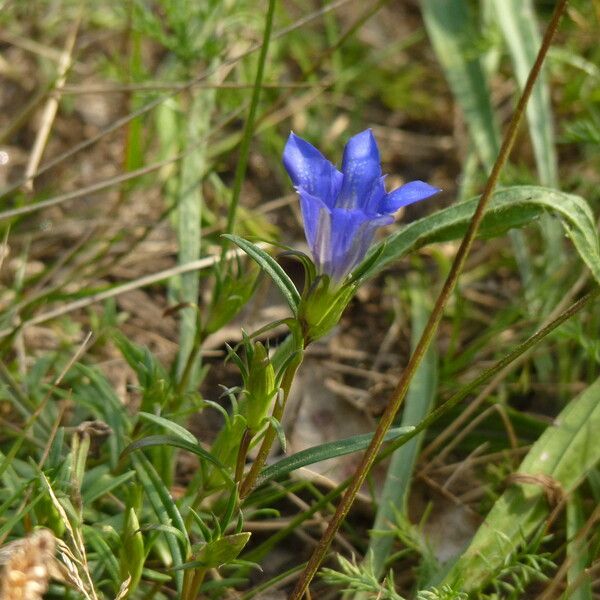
(342,211)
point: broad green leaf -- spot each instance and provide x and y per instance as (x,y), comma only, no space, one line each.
(509,207)
(175,428)
(177,442)
(578,575)
(559,461)
(272,268)
(419,400)
(166,510)
(454,37)
(325,451)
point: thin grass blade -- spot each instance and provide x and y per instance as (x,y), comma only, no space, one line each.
(419,400)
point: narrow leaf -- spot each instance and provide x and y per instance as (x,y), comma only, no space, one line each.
(177,442)
(322,452)
(175,428)
(166,510)
(217,553)
(454,37)
(518,25)
(272,268)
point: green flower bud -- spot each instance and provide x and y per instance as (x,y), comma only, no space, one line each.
(132,553)
(322,307)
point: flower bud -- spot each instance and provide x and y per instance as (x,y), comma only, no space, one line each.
(322,307)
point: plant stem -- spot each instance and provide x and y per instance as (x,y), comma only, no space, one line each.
(242,453)
(270,434)
(193,583)
(434,320)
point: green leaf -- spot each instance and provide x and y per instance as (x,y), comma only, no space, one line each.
(104,555)
(99,481)
(578,554)
(509,207)
(455,40)
(166,510)
(132,555)
(219,552)
(517,21)
(323,452)
(272,268)
(178,430)
(276,425)
(559,460)
(189,201)
(177,442)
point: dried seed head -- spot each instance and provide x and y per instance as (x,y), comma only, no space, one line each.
(27,564)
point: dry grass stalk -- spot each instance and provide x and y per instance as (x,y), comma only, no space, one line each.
(27,565)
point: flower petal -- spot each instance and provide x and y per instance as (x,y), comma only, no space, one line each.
(361,168)
(405,195)
(311,207)
(310,170)
(352,233)
(375,198)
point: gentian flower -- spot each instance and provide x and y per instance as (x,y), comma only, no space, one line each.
(343,210)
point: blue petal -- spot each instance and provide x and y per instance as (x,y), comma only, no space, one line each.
(361,168)
(352,233)
(311,207)
(405,195)
(310,170)
(376,196)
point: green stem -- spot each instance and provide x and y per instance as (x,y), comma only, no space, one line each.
(193,583)
(433,322)
(270,434)
(242,453)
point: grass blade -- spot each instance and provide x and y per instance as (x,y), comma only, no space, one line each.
(165,509)
(517,21)
(419,400)
(189,215)
(453,35)
(171,426)
(242,162)
(578,578)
